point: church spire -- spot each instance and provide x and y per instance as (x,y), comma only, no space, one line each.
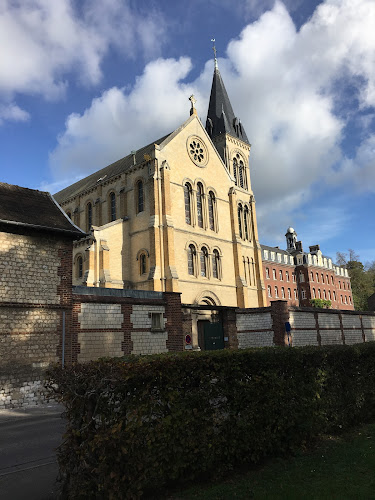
(220,117)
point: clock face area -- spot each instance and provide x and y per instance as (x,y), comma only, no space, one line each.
(197,150)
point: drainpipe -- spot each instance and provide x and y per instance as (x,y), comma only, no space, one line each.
(161,229)
(63,340)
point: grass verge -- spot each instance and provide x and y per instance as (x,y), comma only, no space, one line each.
(337,468)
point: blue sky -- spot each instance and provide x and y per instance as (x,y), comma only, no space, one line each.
(82,83)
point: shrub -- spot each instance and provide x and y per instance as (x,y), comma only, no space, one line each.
(138,423)
(322,303)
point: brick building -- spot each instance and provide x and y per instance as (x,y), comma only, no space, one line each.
(298,276)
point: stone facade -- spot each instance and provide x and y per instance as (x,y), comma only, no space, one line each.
(35,291)
(177,216)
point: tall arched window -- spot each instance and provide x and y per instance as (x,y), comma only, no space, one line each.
(235,168)
(241,173)
(79,267)
(89,215)
(250,278)
(253,269)
(187,198)
(142,264)
(112,202)
(211,210)
(204,258)
(140,204)
(245,223)
(240,219)
(200,204)
(215,264)
(191,259)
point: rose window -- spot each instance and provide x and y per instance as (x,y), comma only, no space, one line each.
(197,151)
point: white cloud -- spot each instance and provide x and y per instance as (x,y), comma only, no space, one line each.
(285,85)
(119,121)
(43,42)
(11,112)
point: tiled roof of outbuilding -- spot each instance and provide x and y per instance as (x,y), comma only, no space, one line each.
(34,209)
(116,168)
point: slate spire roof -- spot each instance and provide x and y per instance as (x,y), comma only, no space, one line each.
(220,117)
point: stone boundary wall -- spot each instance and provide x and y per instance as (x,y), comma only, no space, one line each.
(122,323)
(308,326)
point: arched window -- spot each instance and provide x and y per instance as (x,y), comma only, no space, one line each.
(282,293)
(200,204)
(313,293)
(329,295)
(276,292)
(112,203)
(267,273)
(289,294)
(248,266)
(140,198)
(89,216)
(215,264)
(235,168)
(142,264)
(253,269)
(244,268)
(269,291)
(319,294)
(246,222)
(191,259)
(204,258)
(79,267)
(240,219)
(241,173)
(187,198)
(211,210)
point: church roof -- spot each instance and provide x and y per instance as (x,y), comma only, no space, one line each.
(220,117)
(116,168)
(23,207)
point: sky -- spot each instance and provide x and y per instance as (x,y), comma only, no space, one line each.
(84,82)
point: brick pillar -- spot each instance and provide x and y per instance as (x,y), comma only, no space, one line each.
(230,328)
(280,315)
(173,313)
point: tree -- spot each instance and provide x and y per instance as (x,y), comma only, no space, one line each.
(362,278)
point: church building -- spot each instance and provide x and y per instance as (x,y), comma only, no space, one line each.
(177,215)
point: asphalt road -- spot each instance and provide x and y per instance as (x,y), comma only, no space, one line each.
(28,439)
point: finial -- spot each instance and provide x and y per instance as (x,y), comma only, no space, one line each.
(214,49)
(193,100)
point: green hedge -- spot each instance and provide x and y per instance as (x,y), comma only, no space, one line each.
(138,423)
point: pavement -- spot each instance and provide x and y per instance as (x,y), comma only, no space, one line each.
(28,440)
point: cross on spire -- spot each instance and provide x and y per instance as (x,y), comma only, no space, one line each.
(214,49)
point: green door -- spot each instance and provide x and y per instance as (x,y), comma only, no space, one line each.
(213,336)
